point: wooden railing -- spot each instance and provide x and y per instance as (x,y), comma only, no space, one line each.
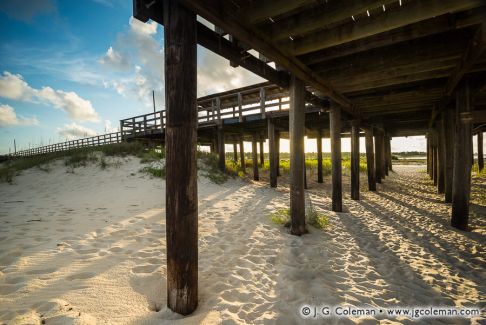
(98,140)
(232,108)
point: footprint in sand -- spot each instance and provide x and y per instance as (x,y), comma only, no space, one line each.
(14,279)
(41,271)
(145,268)
(116,249)
(10,288)
(80,276)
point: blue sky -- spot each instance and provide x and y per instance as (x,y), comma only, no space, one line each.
(70,69)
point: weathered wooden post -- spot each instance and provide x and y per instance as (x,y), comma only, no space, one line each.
(180,138)
(254,152)
(272,153)
(388,147)
(242,154)
(378,155)
(277,153)
(319,156)
(427,138)
(235,153)
(370,159)
(296,130)
(385,154)
(336,161)
(461,183)
(384,171)
(480,151)
(435,157)
(262,154)
(221,149)
(441,158)
(355,160)
(449,149)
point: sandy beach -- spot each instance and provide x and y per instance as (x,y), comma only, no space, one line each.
(89,248)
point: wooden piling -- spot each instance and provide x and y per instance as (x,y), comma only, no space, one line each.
(296,130)
(461,183)
(449,150)
(336,161)
(441,156)
(221,150)
(272,153)
(355,160)
(319,157)
(385,154)
(480,151)
(378,155)
(242,154)
(390,160)
(435,157)
(277,146)
(235,153)
(180,139)
(370,159)
(262,154)
(427,138)
(254,153)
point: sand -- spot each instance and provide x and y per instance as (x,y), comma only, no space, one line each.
(89,248)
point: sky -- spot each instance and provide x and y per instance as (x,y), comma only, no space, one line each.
(73,69)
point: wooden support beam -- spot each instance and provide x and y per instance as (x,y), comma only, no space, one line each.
(336,161)
(262,154)
(277,146)
(319,157)
(180,138)
(235,153)
(254,154)
(221,149)
(355,160)
(480,151)
(475,49)
(409,13)
(441,158)
(259,11)
(296,130)
(370,159)
(435,25)
(461,183)
(427,138)
(378,155)
(449,153)
(215,42)
(435,157)
(318,17)
(262,102)
(242,154)
(272,153)
(385,154)
(224,16)
(390,160)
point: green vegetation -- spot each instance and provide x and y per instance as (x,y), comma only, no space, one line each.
(476,172)
(313,218)
(209,167)
(316,219)
(281,216)
(73,159)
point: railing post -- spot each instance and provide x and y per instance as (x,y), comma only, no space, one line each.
(240,107)
(262,102)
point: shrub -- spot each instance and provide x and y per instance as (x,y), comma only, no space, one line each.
(316,219)
(281,216)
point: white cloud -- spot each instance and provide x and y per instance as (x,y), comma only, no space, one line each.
(8,117)
(14,87)
(109,128)
(214,74)
(115,60)
(138,44)
(75,131)
(149,28)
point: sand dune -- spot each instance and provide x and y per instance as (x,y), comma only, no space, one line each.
(89,247)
